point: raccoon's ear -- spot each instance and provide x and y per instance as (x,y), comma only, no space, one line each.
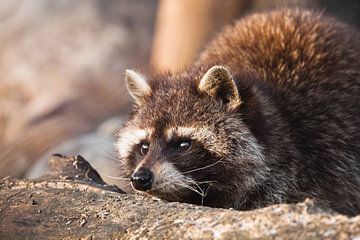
(137,86)
(218,82)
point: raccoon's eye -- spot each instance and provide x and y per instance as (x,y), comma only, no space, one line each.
(144,148)
(184,145)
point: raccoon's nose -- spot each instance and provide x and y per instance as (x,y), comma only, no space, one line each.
(142,179)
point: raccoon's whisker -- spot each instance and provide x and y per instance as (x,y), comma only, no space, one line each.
(117,178)
(202,168)
(161,185)
(175,189)
(107,155)
(191,188)
(170,183)
(203,182)
(205,191)
(186,183)
(196,185)
(126,183)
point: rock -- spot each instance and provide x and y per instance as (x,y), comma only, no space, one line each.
(97,147)
(52,207)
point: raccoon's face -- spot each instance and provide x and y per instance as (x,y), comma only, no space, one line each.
(185,140)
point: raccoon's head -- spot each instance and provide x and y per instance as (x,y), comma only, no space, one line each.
(186,141)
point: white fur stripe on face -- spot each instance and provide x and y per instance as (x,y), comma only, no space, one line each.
(129,138)
(185,132)
(204,135)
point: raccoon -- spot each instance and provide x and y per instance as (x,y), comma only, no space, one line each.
(269,113)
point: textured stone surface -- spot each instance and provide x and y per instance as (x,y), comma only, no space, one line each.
(66,209)
(56,208)
(97,147)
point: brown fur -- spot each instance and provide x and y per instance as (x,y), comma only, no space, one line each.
(294,131)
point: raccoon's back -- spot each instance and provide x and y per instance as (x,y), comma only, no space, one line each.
(313,64)
(289,47)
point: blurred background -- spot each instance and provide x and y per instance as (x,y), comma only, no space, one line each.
(62,67)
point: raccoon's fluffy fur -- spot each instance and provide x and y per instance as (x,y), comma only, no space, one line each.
(272,112)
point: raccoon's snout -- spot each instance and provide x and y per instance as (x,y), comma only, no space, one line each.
(142,179)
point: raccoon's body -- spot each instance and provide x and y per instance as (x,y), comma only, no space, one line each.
(270,113)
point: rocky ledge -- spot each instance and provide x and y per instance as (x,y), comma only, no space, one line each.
(72,202)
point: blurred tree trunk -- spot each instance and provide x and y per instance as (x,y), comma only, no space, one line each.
(183,27)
